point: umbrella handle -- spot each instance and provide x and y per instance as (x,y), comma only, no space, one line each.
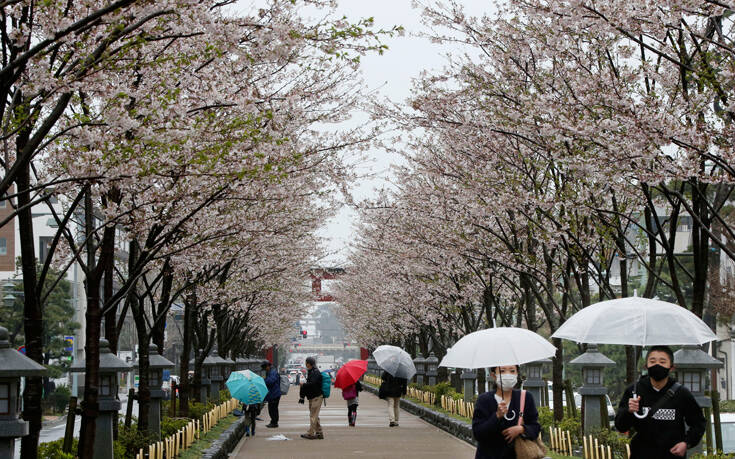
(644,411)
(506,415)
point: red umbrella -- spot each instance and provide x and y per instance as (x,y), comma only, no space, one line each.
(350,373)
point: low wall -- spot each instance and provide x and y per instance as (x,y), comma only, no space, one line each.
(223,446)
(460,429)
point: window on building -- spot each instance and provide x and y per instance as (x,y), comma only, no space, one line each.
(4,398)
(44,244)
(3,246)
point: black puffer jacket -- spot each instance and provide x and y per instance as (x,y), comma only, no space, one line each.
(392,386)
(655,437)
(312,388)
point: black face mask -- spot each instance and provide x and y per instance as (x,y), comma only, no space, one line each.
(658,373)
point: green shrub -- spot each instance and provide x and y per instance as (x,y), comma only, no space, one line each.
(573,425)
(717,455)
(197,410)
(727,406)
(130,440)
(224,395)
(59,399)
(52,449)
(545,418)
(615,440)
(170,426)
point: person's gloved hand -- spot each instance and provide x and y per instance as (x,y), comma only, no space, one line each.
(301,401)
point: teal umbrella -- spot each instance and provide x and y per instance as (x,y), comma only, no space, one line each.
(247,387)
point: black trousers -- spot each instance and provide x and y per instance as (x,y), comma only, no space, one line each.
(273,410)
(351,413)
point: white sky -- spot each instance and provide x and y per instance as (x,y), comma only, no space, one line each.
(391,75)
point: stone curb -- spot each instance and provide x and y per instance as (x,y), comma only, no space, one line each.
(459,429)
(223,446)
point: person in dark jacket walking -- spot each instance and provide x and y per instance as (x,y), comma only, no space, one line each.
(273,397)
(495,422)
(392,389)
(663,433)
(312,390)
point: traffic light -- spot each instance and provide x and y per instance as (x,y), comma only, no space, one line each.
(303,334)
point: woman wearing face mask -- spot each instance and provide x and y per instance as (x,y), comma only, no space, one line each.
(664,415)
(495,422)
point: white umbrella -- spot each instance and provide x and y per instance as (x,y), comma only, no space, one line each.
(494,347)
(635,321)
(395,361)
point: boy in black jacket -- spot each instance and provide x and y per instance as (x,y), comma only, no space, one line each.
(661,434)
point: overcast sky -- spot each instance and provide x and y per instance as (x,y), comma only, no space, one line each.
(391,75)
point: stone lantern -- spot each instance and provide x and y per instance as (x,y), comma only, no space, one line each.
(534,382)
(110,366)
(13,366)
(241,364)
(692,364)
(432,366)
(215,375)
(468,378)
(371,365)
(227,367)
(593,391)
(420,364)
(156,364)
(207,365)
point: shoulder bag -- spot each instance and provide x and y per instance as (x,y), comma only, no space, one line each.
(525,448)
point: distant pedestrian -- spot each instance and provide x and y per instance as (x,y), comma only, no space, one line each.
(350,394)
(312,390)
(392,389)
(665,416)
(273,397)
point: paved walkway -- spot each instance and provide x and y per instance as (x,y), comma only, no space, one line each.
(372,437)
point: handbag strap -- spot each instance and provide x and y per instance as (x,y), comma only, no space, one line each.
(523,405)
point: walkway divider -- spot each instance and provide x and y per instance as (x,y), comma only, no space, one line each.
(171,446)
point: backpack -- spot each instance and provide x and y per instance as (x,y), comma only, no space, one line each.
(349,393)
(285,384)
(326,384)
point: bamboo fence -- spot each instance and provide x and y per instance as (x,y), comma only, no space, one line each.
(171,446)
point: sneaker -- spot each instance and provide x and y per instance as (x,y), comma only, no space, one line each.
(352,424)
(393,424)
(320,436)
(271,426)
(309,436)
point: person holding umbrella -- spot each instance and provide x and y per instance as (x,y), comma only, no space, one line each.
(659,409)
(348,379)
(503,416)
(505,420)
(392,388)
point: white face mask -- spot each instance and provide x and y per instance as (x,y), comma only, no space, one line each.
(508,381)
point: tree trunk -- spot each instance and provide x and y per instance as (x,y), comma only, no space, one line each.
(185,356)
(92,284)
(32,318)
